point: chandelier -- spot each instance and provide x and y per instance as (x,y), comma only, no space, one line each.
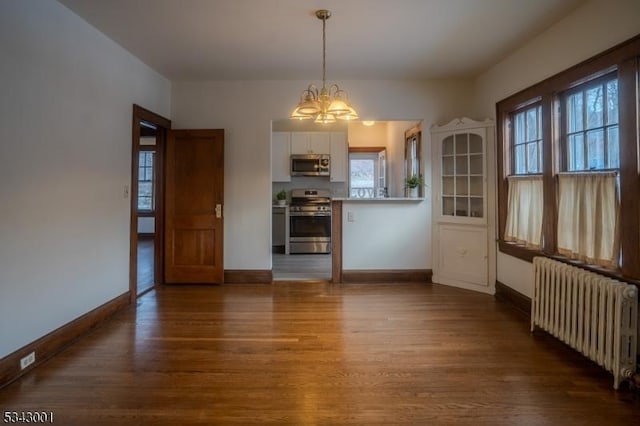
(327,104)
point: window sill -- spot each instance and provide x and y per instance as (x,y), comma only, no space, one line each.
(519,251)
(527,255)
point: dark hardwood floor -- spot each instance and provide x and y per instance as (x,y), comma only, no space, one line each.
(315,353)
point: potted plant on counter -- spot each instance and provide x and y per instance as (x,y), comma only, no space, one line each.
(413,183)
(281,197)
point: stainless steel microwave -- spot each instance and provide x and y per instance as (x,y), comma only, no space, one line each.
(310,165)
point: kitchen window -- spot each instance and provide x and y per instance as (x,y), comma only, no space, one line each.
(367,172)
(413,157)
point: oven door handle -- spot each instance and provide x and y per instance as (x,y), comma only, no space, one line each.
(322,214)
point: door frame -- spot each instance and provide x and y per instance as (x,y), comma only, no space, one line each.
(163,125)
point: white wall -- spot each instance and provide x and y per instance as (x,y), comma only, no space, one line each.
(65,158)
(245,110)
(386,235)
(368,136)
(592,28)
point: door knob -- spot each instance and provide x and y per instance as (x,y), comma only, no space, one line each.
(218,211)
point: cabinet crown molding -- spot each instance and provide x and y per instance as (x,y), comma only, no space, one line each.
(462,123)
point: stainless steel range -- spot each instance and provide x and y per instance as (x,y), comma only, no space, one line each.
(310,221)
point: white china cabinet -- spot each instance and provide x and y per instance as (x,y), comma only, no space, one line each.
(460,207)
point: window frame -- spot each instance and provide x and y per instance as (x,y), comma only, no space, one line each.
(413,137)
(625,60)
(147,212)
(512,135)
(373,151)
(564,120)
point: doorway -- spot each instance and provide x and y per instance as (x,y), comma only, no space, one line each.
(147,201)
(301,245)
(146,205)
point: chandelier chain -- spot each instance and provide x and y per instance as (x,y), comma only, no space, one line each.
(324,51)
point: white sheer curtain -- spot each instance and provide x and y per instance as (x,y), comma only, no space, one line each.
(588,213)
(524,210)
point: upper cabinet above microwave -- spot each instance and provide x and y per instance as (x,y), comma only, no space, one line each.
(310,143)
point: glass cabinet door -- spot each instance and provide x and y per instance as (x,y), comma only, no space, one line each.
(462,177)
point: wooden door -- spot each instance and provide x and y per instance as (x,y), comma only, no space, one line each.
(193,207)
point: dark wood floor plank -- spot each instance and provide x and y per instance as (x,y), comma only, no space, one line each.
(315,353)
(145,270)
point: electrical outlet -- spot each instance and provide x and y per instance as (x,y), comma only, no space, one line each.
(27,360)
(351,217)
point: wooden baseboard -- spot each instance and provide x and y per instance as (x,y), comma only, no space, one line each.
(54,342)
(517,300)
(336,242)
(387,276)
(247,276)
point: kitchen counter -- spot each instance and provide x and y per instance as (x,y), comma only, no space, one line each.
(377,233)
(379,199)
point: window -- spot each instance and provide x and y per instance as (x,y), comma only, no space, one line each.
(571,143)
(591,120)
(146,173)
(588,211)
(367,173)
(588,203)
(413,164)
(413,156)
(525,207)
(525,197)
(527,140)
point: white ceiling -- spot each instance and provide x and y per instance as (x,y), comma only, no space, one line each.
(282,39)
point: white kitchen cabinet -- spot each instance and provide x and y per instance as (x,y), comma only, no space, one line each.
(339,156)
(460,227)
(310,143)
(279,228)
(280,154)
